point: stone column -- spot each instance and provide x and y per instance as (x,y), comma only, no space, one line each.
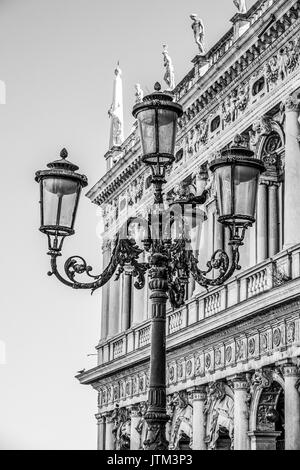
(191,287)
(105,292)
(126,313)
(218,235)
(199,420)
(134,434)
(114,307)
(101,431)
(291,406)
(262,225)
(227,247)
(109,437)
(273,214)
(241,413)
(292,173)
(138,306)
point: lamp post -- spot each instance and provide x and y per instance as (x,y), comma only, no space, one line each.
(171,260)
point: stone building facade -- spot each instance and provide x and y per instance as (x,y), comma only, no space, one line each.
(233,352)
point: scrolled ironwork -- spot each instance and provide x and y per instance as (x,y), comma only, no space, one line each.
(125,252)
(177,254)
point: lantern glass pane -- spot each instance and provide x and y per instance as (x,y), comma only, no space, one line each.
(59,201)
(68,207)
(167,123)
(223,186)
(245,183)
(146,120)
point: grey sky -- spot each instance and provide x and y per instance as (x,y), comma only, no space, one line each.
(57,58)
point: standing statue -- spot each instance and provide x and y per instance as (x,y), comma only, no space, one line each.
(169,77)
(139,94)
(241,6)
(198,28)
(219,410)
(181,428)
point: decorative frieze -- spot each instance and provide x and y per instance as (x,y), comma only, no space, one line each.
(272,336)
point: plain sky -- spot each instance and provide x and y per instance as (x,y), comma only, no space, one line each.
(57,58)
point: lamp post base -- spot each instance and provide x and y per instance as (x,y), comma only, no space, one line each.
(156,434)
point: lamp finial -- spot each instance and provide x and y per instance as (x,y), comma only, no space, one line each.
(64,154)
(157,86)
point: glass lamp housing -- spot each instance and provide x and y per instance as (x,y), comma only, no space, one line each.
(60,188)
(236,176)
(157,118)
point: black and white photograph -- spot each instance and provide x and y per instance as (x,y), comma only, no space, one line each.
(150,229)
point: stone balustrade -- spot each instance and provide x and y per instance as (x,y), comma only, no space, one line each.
(175,321)
(118,348)
(260,10)
(245,286)
(144,336)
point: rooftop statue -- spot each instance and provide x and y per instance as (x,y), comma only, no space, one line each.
(169,77)
(198,28)
(241,5)
(139,94)
(116,111)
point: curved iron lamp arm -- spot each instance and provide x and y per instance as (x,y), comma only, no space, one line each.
(125,252)
(183,263)
(219,261)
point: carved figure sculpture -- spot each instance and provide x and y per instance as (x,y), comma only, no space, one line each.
(199,32)
(219,409)
(142,424)
(169,77)
(139,94)
(181,420)
(121,429)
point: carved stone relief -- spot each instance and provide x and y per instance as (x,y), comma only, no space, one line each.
(219,411)
(181,426)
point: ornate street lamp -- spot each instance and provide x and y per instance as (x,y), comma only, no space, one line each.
(60,189)
(236,178)
(171,261)
(157,118)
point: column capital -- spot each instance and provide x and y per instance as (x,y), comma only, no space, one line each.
(128,269)
(109,416)
(289,369)
(100,417)
(198,393)
(240,382)
(292,104)
(135,411)
(263,182)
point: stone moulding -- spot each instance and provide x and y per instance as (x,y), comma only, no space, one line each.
(110,388)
